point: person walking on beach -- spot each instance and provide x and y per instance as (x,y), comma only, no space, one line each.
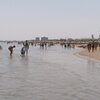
(26,45)
(93,47)
(10,48)
(89,46)
(96,45)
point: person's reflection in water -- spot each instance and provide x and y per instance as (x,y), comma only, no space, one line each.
(11,57)
(25,60)
(10,61)
(10,70)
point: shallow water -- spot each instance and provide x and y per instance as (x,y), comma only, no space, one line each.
(54,73)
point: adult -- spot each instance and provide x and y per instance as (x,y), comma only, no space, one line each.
(26,45)
(10,48)
(93,46)
(89,46)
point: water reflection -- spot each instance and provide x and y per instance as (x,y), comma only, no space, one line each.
(24,60)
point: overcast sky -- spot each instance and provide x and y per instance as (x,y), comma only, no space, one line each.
(27,19)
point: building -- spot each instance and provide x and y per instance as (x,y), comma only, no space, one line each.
(37,39)
(44,39)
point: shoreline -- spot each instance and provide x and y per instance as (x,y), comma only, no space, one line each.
(91,55)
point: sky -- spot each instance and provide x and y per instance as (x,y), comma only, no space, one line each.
(27,19)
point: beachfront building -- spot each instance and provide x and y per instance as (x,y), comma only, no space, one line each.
(44,39)
(37,39)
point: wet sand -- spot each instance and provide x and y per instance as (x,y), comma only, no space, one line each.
(92,55)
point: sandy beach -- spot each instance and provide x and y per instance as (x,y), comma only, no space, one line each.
(94,55)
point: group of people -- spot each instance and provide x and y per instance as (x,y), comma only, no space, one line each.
(92,46)
(24,49)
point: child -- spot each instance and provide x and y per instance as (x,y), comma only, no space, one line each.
(23,51)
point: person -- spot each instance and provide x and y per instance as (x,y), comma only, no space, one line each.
(65,45)
(23,51)
(0,47)
(26,45)
(92,46)
(11,49)
(89,46)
